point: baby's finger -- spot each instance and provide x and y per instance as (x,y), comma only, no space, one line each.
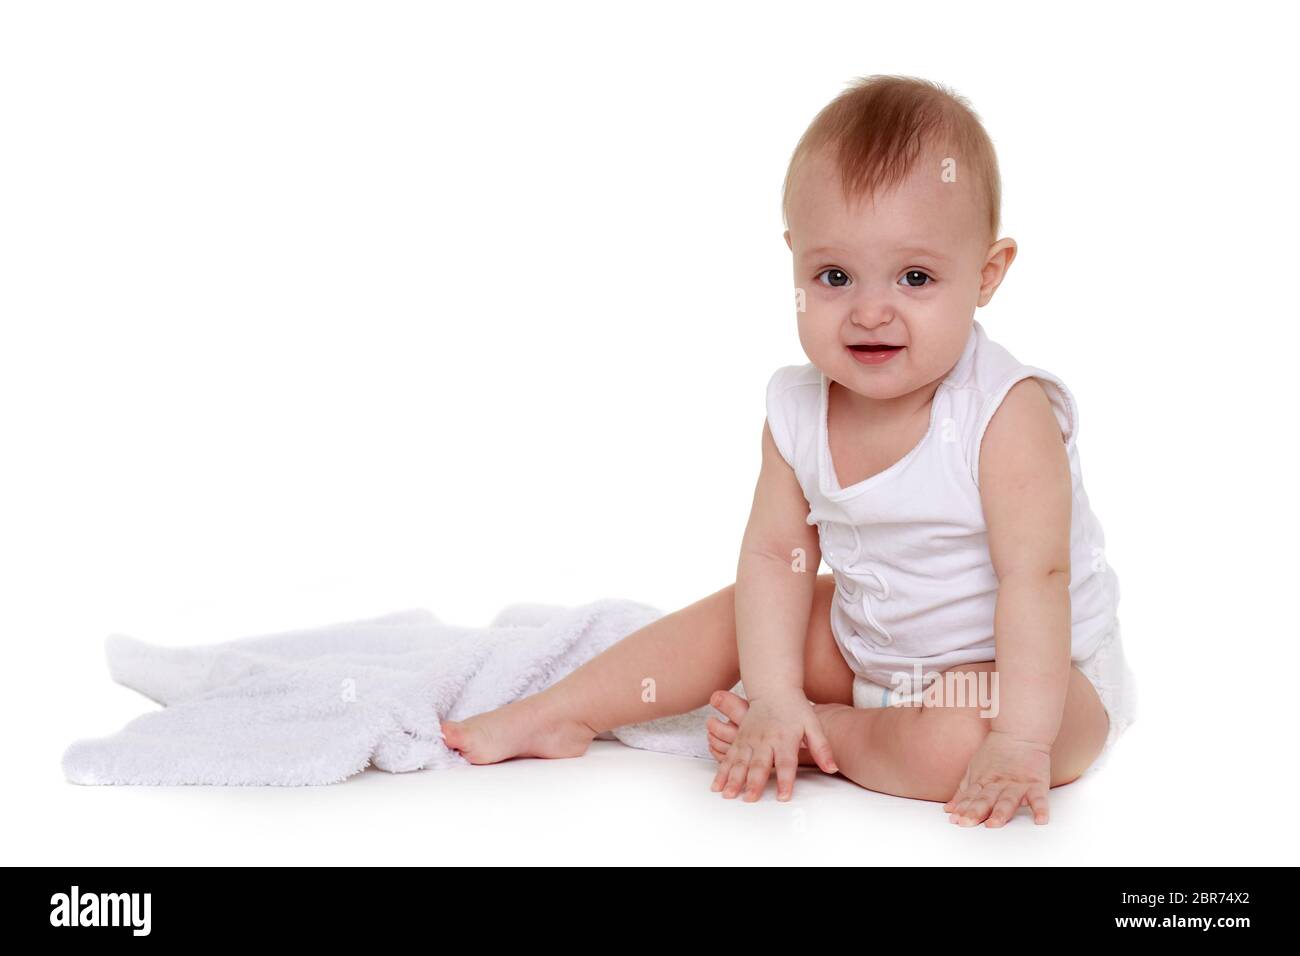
(760,768)
(819,746)
(1037,800)
(962,802)
(962,793)
(787,766)
(976,810)
(720,778)
(1006,806)
(739,769)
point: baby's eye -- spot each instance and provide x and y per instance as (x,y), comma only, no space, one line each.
(916,274)
(839,278)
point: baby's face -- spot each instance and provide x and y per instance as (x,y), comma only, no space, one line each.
(907,271)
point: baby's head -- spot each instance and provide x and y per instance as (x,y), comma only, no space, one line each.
(892,206)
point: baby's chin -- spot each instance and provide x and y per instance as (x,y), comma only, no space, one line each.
(879,377)
(878,389)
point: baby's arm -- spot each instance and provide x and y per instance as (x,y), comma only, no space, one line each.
(1026,491)
(1025,487)
(774,596)
(773,599)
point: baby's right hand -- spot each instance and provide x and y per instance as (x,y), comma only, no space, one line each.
(769,735)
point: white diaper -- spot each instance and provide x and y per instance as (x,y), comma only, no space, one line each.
(1106,669)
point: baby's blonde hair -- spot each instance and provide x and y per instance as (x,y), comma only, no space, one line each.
(880,125)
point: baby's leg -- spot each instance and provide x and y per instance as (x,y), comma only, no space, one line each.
(923,752)
(688,654)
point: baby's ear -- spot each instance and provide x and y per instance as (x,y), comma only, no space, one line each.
(787,240)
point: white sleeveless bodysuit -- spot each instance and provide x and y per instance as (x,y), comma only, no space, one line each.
(908,547)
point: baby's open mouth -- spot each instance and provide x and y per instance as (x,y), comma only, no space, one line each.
(874,353)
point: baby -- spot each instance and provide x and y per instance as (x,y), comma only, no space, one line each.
(965,648)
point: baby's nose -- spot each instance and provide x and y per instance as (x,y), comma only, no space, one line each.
(872,315)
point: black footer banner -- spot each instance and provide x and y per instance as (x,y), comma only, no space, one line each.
(351,905)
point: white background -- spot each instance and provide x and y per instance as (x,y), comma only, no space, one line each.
(316,311)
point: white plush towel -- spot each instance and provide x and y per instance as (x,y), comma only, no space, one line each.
(318,705)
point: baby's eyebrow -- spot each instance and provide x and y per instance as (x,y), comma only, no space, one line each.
(821,251)
(922,251)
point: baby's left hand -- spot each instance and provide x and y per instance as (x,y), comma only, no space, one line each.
(1004,773)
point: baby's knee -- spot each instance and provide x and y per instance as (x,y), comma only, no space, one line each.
(945,742)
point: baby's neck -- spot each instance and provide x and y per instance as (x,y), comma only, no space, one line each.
(888,411)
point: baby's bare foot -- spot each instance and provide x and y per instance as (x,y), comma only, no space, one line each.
(519,729)
(734,707)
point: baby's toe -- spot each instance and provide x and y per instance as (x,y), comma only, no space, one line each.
(724,731)
(732,706)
